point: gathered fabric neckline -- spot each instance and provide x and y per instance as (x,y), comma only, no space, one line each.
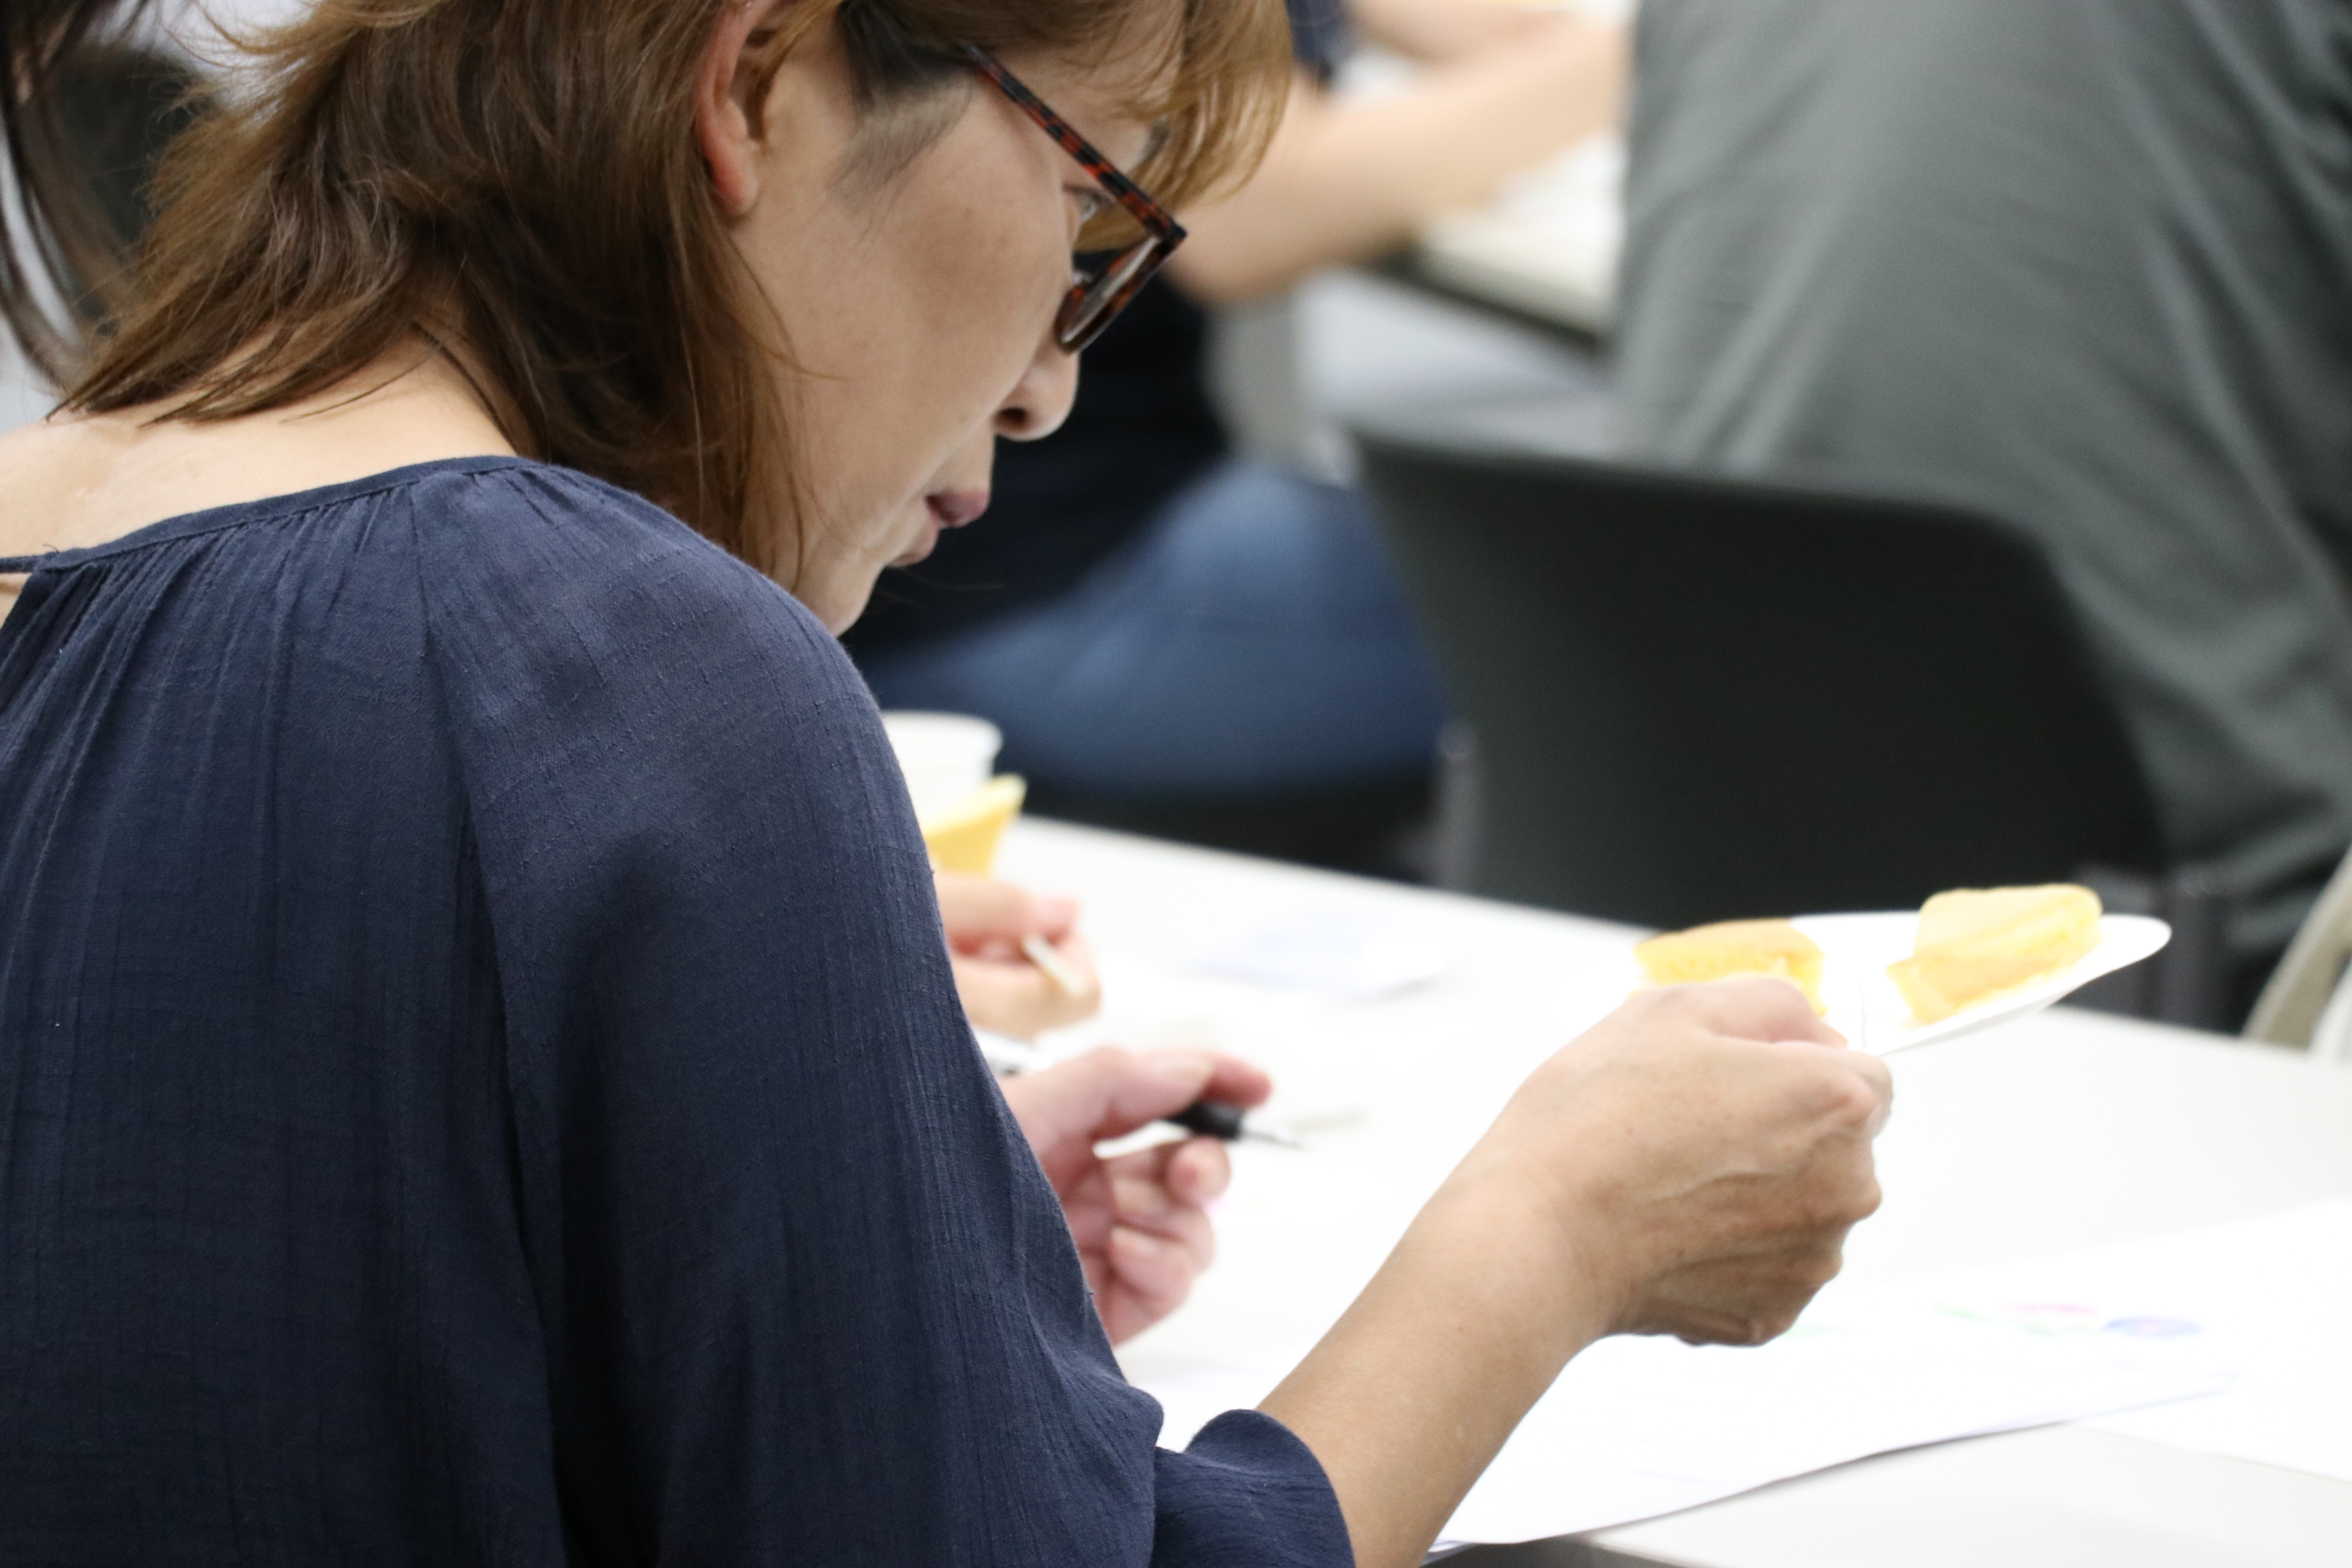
(235,514)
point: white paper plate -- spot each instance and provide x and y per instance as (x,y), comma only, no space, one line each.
(1865,1008)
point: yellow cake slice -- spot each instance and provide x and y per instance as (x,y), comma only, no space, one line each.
(963,837)
(1734,947)
(1976,944)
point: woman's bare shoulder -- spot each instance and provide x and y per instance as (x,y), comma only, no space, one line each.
(37,470)
(79,480)
(46,465)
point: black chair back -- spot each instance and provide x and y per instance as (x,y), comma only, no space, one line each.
(1695,698)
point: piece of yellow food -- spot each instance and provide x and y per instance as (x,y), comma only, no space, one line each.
(964,837)
(1734,947)
(1975,943)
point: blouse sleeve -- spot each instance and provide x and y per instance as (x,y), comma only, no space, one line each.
(806,1295)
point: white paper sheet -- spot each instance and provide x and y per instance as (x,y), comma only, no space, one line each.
(2274,1295)
(1338,951)
(1635,1429)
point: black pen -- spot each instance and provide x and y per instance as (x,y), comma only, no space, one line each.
(1202,1118)
(1228,1123)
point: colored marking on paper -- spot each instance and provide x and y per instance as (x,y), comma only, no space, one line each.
(2042,1318)
(2154,1328)
(2049,1319)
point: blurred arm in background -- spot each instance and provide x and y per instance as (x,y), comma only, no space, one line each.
(1505,87)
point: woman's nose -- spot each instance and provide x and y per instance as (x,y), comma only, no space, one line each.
(1041,399)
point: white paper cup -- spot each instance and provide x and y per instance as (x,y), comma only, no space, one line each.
(944,756)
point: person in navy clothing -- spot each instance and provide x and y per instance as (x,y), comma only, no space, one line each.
(481,1079)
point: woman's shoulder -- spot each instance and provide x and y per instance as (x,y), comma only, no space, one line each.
(516,514)
(566,618)
(549,554)
(611,680)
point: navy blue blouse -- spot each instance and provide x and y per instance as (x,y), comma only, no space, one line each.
(480,1082)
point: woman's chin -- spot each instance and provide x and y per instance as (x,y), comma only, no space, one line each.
(920,550)
(839,612)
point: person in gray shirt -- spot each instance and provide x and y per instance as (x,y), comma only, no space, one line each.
(2084,265)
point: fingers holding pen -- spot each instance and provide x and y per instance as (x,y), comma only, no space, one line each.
(1162,1189)
(1161,1239)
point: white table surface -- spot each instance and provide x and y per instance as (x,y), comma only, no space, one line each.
(2061,1131)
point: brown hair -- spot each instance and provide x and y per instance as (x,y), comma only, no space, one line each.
(521,173)
(84,108)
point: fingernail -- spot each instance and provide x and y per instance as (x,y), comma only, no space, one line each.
(1139,1199)
(1187,1067)
(1135,1244)
(1058,909)
(1214,1179)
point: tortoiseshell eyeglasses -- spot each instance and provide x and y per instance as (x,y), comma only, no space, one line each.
(1101,287)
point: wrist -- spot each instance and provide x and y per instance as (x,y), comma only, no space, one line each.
(1562,1253)
(1415,1390)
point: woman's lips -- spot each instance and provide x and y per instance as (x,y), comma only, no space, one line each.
(947,508)
(954,509)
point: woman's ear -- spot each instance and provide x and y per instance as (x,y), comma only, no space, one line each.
(725,121)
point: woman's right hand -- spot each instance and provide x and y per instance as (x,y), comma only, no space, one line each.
(1705,1148)
(1690,1165)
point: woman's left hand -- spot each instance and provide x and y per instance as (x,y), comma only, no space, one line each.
(1001,990)
(1139,1220)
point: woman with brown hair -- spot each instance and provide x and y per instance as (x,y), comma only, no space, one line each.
(480,1077)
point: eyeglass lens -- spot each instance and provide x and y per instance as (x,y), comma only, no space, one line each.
(1096,299)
